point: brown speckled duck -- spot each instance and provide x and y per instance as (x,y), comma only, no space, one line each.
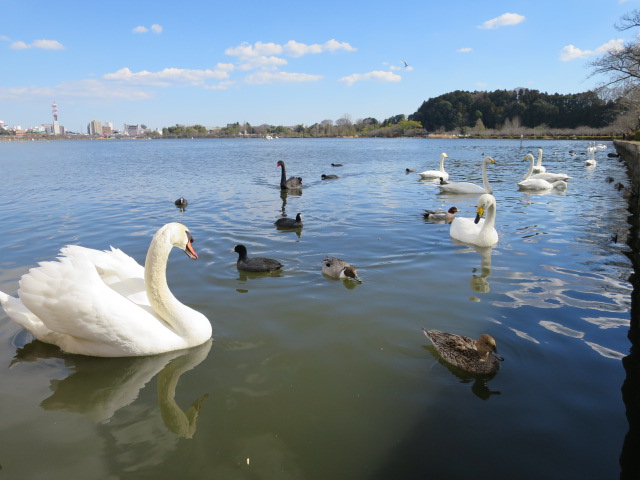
(475,356)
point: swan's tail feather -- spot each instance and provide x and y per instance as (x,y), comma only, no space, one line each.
(22,316)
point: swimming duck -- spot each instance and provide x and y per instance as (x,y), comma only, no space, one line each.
(181,202)
(338,268)
(441,215)
(286,222)
(479,232)
(437,173)
(105,304)
(476,356)
(336,164)
(328,177)
(292,183)
(468,187)
(254,264)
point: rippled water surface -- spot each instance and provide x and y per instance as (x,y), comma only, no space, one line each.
(309,377)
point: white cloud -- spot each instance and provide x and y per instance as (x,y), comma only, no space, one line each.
(292,48)
(571,52)
(258,49)
(503,20)
(155,28)
(263,78)
(5,38)
(19,45)
(465,50)
(170,76)
(377,75)
(220,86)
(296,49)
(71,91)
(270,63)
(42,44)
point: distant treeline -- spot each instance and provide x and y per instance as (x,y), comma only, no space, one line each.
(498,113)
(461,110)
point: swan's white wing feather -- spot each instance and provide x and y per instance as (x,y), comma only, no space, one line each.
(116,269)
(70,298)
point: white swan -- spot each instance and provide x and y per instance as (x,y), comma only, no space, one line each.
(468,187)
(548,176)
(538,184)
(539,168)
(479,231)
(591,161)
(435,174)
(104,304)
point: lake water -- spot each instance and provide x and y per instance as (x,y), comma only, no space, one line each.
(309,377)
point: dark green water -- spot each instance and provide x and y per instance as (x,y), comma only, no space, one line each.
(307,377)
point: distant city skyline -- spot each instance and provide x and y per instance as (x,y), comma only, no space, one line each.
(289,64)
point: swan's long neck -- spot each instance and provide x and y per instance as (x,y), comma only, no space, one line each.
(442,163)
(485,180)
(283,177)
(164,304)
(539,157)
(490,220)
(530,171)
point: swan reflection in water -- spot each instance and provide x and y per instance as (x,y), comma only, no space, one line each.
(99,387)
(283,196)
(480,277)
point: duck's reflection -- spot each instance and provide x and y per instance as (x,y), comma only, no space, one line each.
(479,387)
(99,387)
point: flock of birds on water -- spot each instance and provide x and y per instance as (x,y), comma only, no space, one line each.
(105,304)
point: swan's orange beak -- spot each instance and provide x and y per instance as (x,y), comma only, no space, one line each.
(191,253)
(479,214)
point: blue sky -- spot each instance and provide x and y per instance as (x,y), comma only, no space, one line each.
(285,63)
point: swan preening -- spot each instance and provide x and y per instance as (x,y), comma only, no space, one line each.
(105,304)
(338,268)
(468,187)
(292,183)
(547,176)
(476,356)
(479,231)
(435,174)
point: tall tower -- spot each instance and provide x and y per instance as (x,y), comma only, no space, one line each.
(56,126)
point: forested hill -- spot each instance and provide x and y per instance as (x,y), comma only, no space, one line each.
(524,107)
